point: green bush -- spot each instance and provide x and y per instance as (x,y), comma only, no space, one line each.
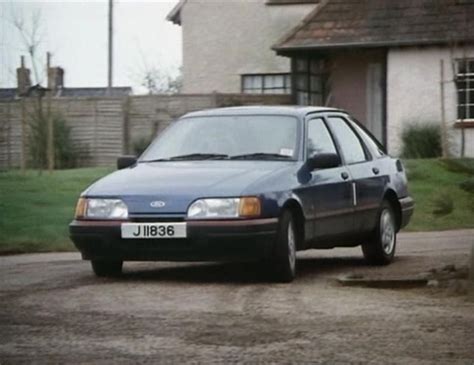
(140,145)
(421,140)
(65,153)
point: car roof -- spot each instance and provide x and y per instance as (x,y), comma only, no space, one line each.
(296,110)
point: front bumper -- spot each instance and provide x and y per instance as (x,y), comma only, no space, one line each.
(206,241)
(407,206)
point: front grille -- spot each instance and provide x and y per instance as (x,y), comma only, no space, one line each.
(156,218)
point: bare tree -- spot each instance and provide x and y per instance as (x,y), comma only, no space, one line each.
(160,82)
(31,36)
(157,80)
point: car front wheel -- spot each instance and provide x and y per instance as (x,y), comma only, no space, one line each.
(380,249)
(285,260)
(104,268)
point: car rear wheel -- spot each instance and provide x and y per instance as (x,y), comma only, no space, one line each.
(285,255)
(380,249)
(104,268)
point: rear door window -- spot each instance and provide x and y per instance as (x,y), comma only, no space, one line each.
(370,141)
(349,142)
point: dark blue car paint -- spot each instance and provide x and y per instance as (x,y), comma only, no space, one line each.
(323,197)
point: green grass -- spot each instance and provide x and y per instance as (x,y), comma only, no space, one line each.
(432,180)
(35,209)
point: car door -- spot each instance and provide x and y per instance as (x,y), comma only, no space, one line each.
(368,177)
(328,191)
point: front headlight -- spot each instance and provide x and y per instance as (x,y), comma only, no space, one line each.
(246,207)
(101,209)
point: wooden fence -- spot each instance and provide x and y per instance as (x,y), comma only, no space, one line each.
(104,128)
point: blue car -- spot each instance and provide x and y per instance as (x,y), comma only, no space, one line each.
(247,183)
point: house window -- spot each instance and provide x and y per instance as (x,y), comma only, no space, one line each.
(266,83)
(309,77)
(465,87)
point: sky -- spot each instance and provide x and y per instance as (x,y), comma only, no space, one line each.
(75,32)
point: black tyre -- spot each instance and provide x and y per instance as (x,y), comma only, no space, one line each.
(380,249)
(285,253)
(103,268)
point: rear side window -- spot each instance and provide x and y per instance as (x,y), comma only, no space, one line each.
(374,146)
(319,139)
(349,142)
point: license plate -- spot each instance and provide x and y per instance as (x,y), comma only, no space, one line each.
(154,230)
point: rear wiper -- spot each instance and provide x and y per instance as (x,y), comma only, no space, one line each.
(200,156)
(261,156)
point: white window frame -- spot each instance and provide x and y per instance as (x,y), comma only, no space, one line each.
(263,88)
(465,92)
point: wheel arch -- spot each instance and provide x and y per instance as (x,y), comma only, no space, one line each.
(297,211)
(391,196)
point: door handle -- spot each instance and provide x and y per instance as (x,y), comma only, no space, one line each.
(344,175)
(375,170)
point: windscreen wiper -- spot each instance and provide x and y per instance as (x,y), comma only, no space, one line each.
(192,156)
(155,160)
(261,156)
(200,156)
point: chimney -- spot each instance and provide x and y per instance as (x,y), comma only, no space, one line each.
(55,79)
(55,76)
(23,78)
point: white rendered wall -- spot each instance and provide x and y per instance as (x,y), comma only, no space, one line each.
(413,92)
(223,39)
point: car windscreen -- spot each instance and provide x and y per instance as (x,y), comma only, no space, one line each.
(249,136)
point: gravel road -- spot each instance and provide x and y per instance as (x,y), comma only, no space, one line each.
(53,310)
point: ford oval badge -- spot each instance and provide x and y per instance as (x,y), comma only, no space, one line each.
(157,204)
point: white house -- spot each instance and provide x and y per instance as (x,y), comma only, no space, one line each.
(381,60)
(227,44)
(378,59)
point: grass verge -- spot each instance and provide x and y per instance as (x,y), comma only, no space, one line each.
(436,184)
(35,209)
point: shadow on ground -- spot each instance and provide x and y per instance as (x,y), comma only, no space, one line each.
(241,273)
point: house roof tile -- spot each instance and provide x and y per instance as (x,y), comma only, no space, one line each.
(11,93)
(370,23)
(93,91)
(7,93)
(291,2)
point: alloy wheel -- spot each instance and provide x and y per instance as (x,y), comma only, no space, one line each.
(291,246)
(387,231)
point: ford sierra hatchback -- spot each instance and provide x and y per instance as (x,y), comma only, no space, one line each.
(247,183)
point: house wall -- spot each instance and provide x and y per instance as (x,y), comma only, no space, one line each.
(222,40)
(348,80)
(413,92)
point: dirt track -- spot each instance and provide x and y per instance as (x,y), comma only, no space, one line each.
(54,310)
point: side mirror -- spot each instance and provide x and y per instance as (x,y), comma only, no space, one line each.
(324,161)
(126,161)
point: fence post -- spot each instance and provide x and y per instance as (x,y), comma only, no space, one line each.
(470,293)
(444,131)
(126,125)
(50,124)
(23,136)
